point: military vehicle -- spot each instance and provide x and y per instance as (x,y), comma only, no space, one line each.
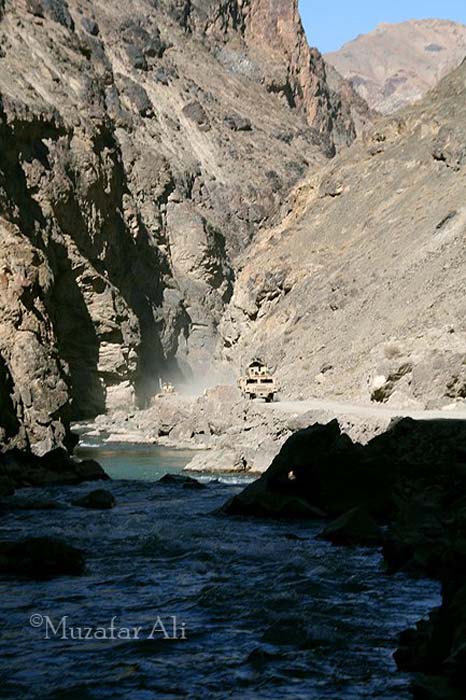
(166,387)
(258,382)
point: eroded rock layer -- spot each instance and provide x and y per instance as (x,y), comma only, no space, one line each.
(141,147)
(358,292)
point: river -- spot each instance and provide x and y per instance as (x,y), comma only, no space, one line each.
(253,609)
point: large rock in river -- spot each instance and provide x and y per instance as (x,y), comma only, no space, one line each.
(40,557)
(413,478)
(319,471)
(321,467)
(356,527)
(96,500)
(19,469)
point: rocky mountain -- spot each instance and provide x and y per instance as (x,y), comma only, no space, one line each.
(141,147)
(358,291)
(397,64)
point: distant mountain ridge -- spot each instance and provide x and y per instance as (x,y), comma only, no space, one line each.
(396,64)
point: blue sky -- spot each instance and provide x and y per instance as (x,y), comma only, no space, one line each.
(331,23)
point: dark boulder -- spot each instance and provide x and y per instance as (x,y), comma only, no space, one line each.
(57,460)
(197,114)
(323,467)
(40,557)
(141,45)
(356,527)
(236,122)
(434,688)
(162,75)
(417,540)
(186,482)
(155,47)
(96,500)
(19,469)
(436,647)
(56,10)
(318,470)
(89,470)
(35,7)
(138,97)
(136,57)
(90,26)
(120,116)
(413,479)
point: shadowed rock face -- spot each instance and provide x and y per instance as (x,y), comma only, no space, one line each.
(35,410)
(411,479)
(322,468)
(274,30)
(141,147)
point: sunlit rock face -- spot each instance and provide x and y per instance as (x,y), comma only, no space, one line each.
(356,292)
(396,64)
(142,146)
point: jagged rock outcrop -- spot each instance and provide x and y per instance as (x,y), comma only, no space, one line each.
(274,51)
(396,64)
(358,291)
(141,147)
(412,479)
(18,469)
(34,410)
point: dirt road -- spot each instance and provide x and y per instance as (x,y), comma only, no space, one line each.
(338,408)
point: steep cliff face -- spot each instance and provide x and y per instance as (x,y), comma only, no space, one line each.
(265,40)
(140,148)
(35,409)
(274,31)
(359,291)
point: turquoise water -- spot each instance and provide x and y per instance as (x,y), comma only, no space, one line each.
(136,462)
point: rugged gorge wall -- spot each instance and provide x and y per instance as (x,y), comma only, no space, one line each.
(279,56)
(358,292)
(141,145)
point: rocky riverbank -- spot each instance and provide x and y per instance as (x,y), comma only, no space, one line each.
(139,157)
(404,491)
(20,470)
(229,433)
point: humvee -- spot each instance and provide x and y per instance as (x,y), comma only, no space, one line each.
(166,388)
(258,382)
